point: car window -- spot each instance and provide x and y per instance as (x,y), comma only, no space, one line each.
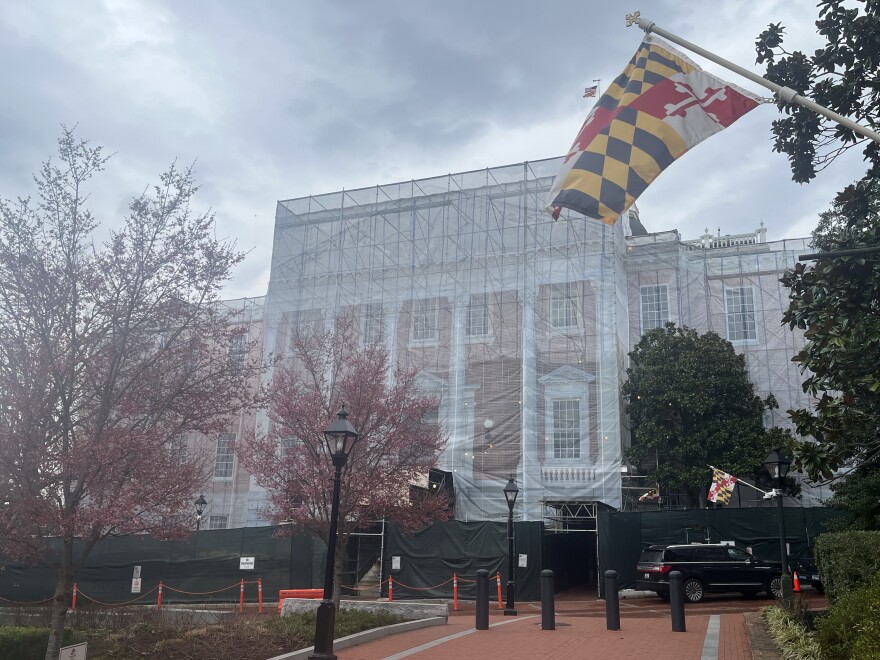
(714,554)
(651,556)
(678,554)
(738,555)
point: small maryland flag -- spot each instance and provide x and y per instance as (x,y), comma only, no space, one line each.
(722,486)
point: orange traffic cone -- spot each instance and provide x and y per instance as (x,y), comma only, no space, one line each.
(797,583)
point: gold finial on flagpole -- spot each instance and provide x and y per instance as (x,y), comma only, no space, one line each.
(632,19)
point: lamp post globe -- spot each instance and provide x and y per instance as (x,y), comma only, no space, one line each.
(200,505)
(340,437)
(778,465)
(510,493)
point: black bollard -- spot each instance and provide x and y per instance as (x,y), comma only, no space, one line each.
(482,599)
(612,603)
(676,601)
(548,601)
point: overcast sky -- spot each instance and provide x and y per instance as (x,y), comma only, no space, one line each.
(276,100)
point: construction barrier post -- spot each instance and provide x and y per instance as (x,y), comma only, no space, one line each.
(241,597)
(73,603)
(390,590)
(454,591)
(260,593)
(159,597)
(498,580)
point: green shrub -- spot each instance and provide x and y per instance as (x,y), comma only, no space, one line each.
(30,643)
(847,561)
(852,627)
(790,635)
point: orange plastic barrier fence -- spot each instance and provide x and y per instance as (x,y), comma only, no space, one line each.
(298,593)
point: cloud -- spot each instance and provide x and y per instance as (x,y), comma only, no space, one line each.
(276,100)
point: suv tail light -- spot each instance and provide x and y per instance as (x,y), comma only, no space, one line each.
(664,568)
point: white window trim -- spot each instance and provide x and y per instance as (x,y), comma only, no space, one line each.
(567,383)
(727,313)
(224,517)
(642,306)
(216,450)
(477,339)
(433,341)
(366,341)
(577,301)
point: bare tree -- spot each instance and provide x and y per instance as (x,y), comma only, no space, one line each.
(108,352)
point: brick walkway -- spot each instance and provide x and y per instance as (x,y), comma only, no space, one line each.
(575,637)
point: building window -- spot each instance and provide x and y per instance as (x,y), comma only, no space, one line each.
(567,428)
(218,522)
(654,306)
(372,322)
(478,316)
(238,349)
(563,305)
(303,323)
(739,305)
(424,320)
(223,462)
(178,447)
(287,444)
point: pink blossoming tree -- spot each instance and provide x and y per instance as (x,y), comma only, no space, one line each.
(396,447)
(108,352)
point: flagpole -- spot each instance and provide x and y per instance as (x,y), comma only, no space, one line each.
(739,480)
(786,94)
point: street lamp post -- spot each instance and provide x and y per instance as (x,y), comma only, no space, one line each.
(340,437)
(200,504)
(510,493)
(777,465)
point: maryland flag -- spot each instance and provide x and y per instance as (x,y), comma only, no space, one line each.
(659,107)
(722,486)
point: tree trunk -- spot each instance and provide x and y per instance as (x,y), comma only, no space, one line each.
(63,588)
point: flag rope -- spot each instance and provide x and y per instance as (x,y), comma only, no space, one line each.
(786,94)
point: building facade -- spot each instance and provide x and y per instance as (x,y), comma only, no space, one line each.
(520,323)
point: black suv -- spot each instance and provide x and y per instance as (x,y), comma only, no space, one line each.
(707,567)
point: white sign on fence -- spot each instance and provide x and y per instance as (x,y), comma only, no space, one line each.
(135,585)
(137,572)
(395,563)
(246,563)
(75,652)
(523,561)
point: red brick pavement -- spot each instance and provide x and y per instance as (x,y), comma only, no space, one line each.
(646,632)
(575,637)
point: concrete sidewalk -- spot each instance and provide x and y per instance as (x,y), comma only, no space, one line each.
(708,637)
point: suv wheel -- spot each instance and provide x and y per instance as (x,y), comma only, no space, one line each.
(693,590)
(774,587)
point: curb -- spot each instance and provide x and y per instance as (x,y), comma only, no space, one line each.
(367,636)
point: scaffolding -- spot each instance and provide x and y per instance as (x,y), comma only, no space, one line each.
(511,317)
(522,324)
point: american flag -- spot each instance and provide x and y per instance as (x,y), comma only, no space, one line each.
(591,91)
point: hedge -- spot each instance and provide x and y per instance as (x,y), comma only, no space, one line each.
(847,561)
(852,628)
(30,643)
